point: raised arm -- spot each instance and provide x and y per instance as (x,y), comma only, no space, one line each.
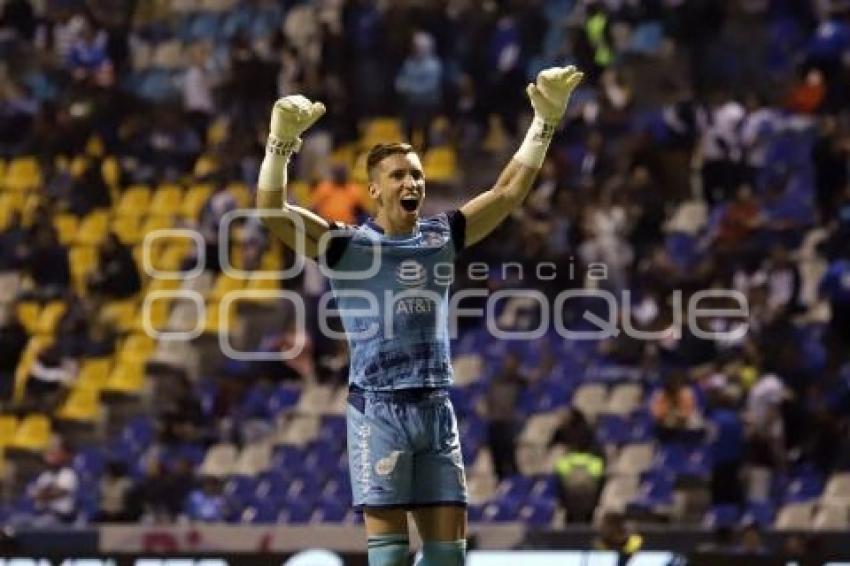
(291,116)
(549,97)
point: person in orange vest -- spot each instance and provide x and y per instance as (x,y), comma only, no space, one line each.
(338,198)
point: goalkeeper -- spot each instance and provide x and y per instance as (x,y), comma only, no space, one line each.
(403,444)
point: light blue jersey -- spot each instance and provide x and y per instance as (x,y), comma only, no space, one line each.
(392,295)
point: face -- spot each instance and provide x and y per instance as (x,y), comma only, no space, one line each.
(398,187)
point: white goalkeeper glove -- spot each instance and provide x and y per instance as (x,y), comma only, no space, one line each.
(291,116)
(549,97)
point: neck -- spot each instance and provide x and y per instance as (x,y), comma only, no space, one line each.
(394,229)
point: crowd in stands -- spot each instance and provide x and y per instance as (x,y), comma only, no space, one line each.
(709,149)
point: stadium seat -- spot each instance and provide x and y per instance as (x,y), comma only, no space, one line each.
(254,459)
(126,378)
(22,174)
(224,284)
(633,459)
(82,405)
(66,227)
(33,434)
(301,430)
(120,313)
(166,201)
(49,317)
(624,399)
(440,164)
(590,399)
(314,399)
(153,223)
(540,428)
(134,201)
(381,130)
(241,193)
(831,518)
(467,369)
(93,228)
(219,461)
(8,426)
(794,516)
(137,347)
(127,228)
(94,373)
(28,314)
(195,199)
(482,488)
(837,490)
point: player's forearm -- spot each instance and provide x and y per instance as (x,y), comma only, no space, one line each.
(271,184)
(514,184)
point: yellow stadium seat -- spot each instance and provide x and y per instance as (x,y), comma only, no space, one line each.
(93,228)
(381,130)
(217,132)
(440,164)
(111,171)
(82,405)
(153,223)
(213,321)
(33,434)
(345,155)
(28,313)
(162,285)
(8,426)
(358,174)
(134,201)
(257,284)
(160,310)
(2,168)
(94,146)
(241,193)
(205,165)
(66,226)
(126,377)
(300,192)
(128,229)
(166,200)
(83,260)
(120,313)
(50,316)
(137,348)
(94,373)
(271,261)
(223,285)
(77,166)
(22,174)
(195,200)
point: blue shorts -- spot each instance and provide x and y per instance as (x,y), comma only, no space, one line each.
(404,449)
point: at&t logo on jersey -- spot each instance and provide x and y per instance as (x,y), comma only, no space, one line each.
(411,274)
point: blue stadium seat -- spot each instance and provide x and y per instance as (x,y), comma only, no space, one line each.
(283,398)
(261,513)
(89,462)
(240,489)
(139,432)
(333,431)
(514,487)
(544,487)
(538,512)
(287,458)
(612,429)
(331,510)
(722,516)
(296,511)
(759,513)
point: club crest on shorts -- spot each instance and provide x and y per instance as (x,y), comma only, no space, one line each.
(385,466)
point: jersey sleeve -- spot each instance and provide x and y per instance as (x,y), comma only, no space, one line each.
(457,229)
(340,238)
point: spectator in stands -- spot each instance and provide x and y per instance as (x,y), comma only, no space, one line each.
(88,60)
(115,490)
(615,535)
(339,198)
(163,493)
(726,437)
(835,287)
(18,110)
(500,413)
(50,378)
(580,470)
(55,489)
(47,263)
(740,220)
(674,407)
(208,504)
(90,192)
(13,244)
(220,203)
(419,84)
(766,432)
(198,83)
(13,342)
(117,275)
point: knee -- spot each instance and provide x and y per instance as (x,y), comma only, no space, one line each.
(388,550)
(443,553)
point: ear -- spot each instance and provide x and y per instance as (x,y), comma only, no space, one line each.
(374,192)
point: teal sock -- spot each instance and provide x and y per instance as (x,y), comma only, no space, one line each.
(443,553)
(388,550)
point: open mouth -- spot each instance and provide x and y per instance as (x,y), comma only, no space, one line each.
(410,203)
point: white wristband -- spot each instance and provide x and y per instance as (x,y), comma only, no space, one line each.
(272,176)
(532,152)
